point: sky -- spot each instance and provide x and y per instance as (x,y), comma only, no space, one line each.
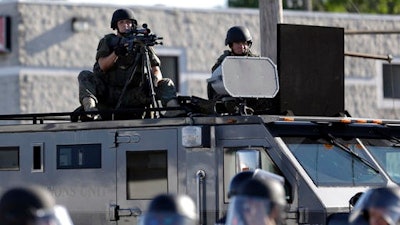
(200,4)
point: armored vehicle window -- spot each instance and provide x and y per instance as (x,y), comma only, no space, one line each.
(37,158)
(387,153)
(9,158)
(146,174)
(328,164)
(240,159)
(85,156)
(247,160)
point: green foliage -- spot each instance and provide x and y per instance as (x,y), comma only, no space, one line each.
(351,6)
(358,6)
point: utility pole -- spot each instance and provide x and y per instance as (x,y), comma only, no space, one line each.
(308,5)
(270,15)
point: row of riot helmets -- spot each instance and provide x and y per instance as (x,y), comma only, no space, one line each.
(35,205)
(256,198)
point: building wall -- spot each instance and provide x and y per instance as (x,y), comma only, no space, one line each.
(47,54)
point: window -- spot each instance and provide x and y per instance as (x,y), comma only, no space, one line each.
(86,156)
(391,80)
(242,159)
(387,154)
(9,158)
(37,157)
(388,84)
(5,34)
(247,159)
(147,174)
(172,64)
(330,165)
(170,69)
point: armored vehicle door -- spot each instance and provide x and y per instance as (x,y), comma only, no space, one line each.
(146,166)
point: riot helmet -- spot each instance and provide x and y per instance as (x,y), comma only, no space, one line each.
(238,180)
(122,14)
(31,205)
(275,183)
(382,203)
(238,34)
(251,205)
(170,209)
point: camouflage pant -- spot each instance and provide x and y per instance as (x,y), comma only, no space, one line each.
(107,97)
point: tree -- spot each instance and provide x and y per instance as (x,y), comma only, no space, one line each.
(352,6)
(358,6)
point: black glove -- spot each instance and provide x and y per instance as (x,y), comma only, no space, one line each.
(120,50)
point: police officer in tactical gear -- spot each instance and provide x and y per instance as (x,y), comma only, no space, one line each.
(273,182)
(234,185)
(239,40)
(113,84)
(238,180)
(275,185)
(278,201)
(170,209)
(251,206)
(377,206)
(32,205)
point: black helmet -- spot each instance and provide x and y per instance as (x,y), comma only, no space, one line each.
(238,34)
(122,14)
(254,188)
(31,205)
(18,205)
(275,184)
(170,209)
(385,199)
(238,180)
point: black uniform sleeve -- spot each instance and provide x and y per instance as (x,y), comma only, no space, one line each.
(220,59)
(106,45)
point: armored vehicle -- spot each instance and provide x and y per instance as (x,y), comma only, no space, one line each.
(107,172)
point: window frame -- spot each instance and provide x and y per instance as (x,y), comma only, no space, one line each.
(18,157)
(180,60)
(73,163)
(382,101)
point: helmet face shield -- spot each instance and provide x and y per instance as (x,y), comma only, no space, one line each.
(56,216)
(248,210)
(166,218)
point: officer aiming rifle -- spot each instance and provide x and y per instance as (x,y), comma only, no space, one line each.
(136,42)
(126,71)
